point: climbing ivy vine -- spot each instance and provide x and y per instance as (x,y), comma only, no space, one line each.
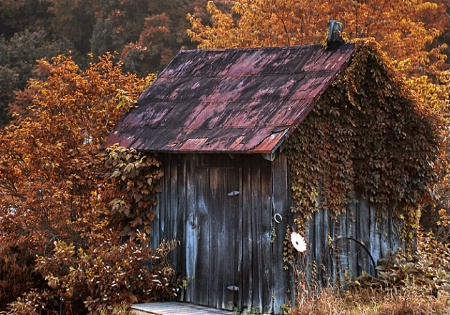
(364,138)
(136,174)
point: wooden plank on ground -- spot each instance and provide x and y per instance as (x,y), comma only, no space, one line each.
(175,308)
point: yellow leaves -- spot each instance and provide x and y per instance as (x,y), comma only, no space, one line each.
(216,36)
(129,168)
(262,23)
(148,80)
(426,6)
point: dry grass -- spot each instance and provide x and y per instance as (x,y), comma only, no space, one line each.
(370,302)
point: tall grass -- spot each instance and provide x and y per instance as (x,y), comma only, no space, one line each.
(373,302)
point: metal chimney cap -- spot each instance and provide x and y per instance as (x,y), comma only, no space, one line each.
(334,33)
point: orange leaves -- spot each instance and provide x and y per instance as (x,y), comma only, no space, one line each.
(261,23)
(96,279)
(220,34)
(50,170)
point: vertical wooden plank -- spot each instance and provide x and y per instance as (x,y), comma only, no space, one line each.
(173,229)
(385,235)
(310,237)
(213,187)
(375,236)
(318,246)
(166,223)
(395,229)
(281,205)
(240,240)
(363,236)
(203,215)
(167,201)
(334,226)
(246,285)
(178,162)
(231,220)
(256,225)
(160,207)
(265,235)
(352,220)
(191,230)
(389,234)
(172,212)
(172,202)
(322,269)
(340,252)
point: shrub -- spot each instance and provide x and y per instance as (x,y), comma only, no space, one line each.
(102,277)
(427,270)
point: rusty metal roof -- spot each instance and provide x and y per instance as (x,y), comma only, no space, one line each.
(230,100)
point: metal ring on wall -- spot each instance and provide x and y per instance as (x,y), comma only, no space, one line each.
(277,218)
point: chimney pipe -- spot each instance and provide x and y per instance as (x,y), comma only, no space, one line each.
(334,34)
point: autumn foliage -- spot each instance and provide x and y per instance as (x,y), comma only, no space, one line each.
(60,224)
(100,278)
(50,170)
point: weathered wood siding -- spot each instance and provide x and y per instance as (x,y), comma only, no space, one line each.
(222,208)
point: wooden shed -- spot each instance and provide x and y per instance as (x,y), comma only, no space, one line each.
(219,121)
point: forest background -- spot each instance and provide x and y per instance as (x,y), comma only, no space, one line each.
(69,69)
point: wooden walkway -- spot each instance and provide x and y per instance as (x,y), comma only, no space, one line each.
(175,308)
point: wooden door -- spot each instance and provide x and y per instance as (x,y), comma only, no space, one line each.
(219,245)
(227,238)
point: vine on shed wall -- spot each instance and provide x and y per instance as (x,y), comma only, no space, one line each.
(367,138)
(136,174)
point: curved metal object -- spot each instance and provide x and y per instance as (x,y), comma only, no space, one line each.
(277,218)
(360,244)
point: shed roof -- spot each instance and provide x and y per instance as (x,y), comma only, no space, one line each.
(230,100)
